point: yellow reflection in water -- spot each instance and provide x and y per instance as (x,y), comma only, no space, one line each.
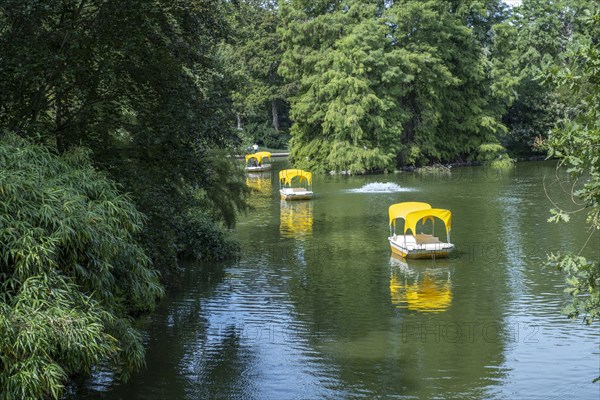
(260,183)
(420,289)
(296,219)
(260,197)
(262,188)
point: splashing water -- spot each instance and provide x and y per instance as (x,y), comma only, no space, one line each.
(380,187)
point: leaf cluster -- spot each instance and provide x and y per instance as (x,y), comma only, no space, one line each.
(576,142)
(542,35)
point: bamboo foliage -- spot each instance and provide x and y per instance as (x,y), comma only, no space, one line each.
(71,273)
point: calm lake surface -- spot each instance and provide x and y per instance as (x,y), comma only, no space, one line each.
(316,307)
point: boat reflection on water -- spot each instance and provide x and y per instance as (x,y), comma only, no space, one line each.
(262,190)
(296,219)
(423,286)
(259,182)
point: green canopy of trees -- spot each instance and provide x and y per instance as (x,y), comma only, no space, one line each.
(541,34)
(251,57)
(382,84)
(140,84)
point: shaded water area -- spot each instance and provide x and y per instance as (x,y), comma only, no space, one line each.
(316,307)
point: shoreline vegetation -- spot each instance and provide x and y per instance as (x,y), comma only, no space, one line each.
(437,167)
(446,168)
(134,111)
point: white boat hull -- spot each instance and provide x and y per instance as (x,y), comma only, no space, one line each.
(423,246)
(258,168)
(295,194)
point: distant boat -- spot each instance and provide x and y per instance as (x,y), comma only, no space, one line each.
(418,245)
(289,177)
(254,162)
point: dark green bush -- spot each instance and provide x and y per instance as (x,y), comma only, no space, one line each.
(204,239)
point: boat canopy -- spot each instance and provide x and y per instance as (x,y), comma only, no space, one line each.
(286,176)
(401,210)
(258,156)
(423,215)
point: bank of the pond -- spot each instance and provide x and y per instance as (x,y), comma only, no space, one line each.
(472,163)
(282,155)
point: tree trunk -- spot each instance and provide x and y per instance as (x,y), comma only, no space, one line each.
(61,144)
(239,122)
(275,115)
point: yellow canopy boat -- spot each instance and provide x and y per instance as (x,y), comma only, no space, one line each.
(254,162)
(418,245)
(287,177)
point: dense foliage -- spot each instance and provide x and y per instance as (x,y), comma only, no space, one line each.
(139,83)
(577,143)
(540,33)
(251,58)
(71,273)
(385,84)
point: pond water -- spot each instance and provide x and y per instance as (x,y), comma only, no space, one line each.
(316,307)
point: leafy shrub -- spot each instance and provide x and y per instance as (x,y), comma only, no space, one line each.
(173,207)
(204,239)
(436,169)
(413,155)
(320,155)
(71,273)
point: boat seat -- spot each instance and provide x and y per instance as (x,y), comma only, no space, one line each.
(426,239)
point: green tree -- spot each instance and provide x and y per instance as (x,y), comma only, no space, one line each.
(456,96)
(260,48)
(139,83)
(482,16)
(577,144)
(71,273)
(252,56)
(541,33)
(344,109)
(382,84)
